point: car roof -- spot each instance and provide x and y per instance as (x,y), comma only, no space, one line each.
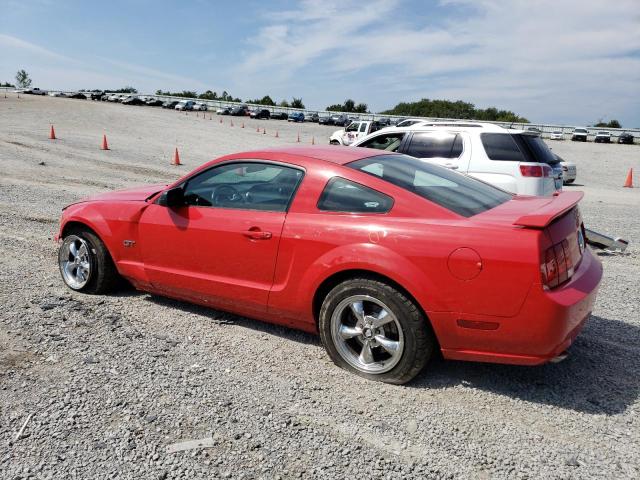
(464,126)
(340,155)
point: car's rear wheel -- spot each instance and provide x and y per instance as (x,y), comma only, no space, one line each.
(374,330)
(85,263)
(334,142)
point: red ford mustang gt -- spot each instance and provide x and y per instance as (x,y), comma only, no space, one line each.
(389,257)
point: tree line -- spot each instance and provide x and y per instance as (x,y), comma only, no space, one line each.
(422,108)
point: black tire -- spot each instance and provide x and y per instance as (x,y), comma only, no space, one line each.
(419,339)
(569,182)
(334,142)
(104,276)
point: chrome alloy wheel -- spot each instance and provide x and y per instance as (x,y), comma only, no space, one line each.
(367,334)
(74,259)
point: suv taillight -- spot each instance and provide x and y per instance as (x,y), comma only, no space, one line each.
(535,170)
(557,266)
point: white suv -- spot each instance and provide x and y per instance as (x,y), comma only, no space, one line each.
(514,160)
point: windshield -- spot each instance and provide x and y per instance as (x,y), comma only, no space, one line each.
(459,193)
(580,130)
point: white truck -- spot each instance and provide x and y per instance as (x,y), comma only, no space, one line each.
(354,131)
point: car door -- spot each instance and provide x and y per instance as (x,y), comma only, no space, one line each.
(350,133)
(448,149)
(221,245)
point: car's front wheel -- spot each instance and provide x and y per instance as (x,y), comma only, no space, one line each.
(85,263)
(374,330)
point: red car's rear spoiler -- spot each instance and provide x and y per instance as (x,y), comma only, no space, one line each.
(558,204)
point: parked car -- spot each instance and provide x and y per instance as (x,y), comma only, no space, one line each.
(155,102)
(57,94)
(514,160)
(312,117)
(239,111)
(324,120)
(339,119)
(579,135)
(279,116)
(261,113)
(201,106)
(97,95)
(603,137)
(384,121)
(625,137)
(557,135)
(34,91)
(296,117)
(77,95)
(133,100)
(390,258)
(569,170)
(224,110)
(170,104)
(184,105)
(410,121)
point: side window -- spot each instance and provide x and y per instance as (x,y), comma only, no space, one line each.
(342,195)
(432,145)
(501,146)
(353,127)
(245,186)
(363,127)
(389,142)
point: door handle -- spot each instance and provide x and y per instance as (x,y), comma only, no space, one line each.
(257,234)
(452,166)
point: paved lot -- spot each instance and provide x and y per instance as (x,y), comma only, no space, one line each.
(112,381)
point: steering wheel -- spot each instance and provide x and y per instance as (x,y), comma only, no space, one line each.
(225,195)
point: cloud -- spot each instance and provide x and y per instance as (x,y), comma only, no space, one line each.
(52,70)
(569,61)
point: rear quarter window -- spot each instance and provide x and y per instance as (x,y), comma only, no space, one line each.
(342,195)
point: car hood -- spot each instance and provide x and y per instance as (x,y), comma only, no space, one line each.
(135,194)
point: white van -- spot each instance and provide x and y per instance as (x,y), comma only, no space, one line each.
(515,160)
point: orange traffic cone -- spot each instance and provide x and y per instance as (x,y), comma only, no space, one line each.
(220,120)
(264,131)
(105,145)
(210,117)
(313,140)
(277,136)
(298,141)
(232,123)
(176,158)
(629,181)
(52,134)
(242,124)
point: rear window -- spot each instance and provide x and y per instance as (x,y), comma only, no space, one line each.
(516,148)
(456,192)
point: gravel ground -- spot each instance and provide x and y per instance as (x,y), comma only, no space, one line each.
(110,382)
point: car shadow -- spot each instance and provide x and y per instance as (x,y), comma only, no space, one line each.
(567,185)
(224,318)
(598,377)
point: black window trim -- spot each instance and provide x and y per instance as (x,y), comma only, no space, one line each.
(347,212)
(184,183)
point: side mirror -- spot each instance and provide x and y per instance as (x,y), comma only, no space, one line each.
(172,198)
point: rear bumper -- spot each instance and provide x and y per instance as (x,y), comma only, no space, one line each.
(546,326)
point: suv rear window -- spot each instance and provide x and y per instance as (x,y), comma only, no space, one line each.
(516,148)
(454,191)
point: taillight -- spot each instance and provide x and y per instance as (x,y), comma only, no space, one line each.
(535,170)
(557,266)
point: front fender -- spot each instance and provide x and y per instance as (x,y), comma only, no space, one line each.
(87,214)
(337,136)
